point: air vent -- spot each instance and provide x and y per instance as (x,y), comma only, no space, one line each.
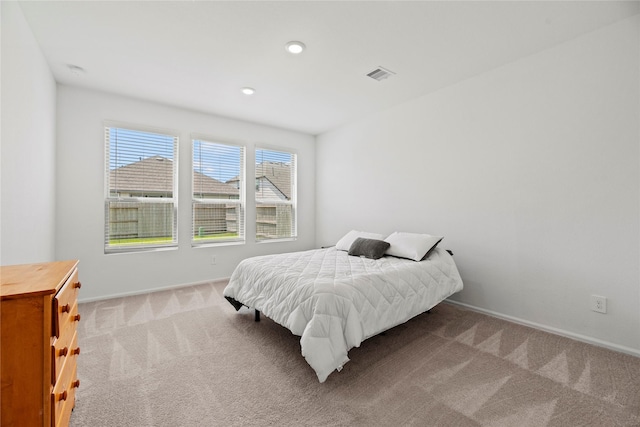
(380,73)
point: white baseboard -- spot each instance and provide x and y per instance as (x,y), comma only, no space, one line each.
(556,331)
(148,291)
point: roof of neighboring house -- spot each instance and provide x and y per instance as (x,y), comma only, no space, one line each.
(153,175)
(279,174)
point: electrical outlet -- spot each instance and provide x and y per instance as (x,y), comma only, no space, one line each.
(598,303)
(213,260)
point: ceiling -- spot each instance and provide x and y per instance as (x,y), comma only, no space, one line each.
(199,54)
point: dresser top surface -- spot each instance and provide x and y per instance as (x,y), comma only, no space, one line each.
(34,279)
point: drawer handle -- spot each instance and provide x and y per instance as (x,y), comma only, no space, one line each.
(75,351)
(77,285)
(75,384)
(66,308)
(64,351)
(76,318)
(63,395)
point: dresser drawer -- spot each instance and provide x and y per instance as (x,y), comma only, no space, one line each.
(64,394)
(63,348)
(63,302)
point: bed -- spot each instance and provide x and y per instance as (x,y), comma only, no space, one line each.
(334,300)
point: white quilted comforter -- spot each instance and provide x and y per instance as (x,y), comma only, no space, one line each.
(334,301)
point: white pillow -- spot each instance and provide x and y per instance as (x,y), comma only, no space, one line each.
(345,243)
(411,245)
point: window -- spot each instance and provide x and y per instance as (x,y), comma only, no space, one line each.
(140,189)
(218,192)
(275,195)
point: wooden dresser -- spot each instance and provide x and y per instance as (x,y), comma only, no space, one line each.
(38,343)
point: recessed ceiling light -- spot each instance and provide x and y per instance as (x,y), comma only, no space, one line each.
(248,90)
(295,47)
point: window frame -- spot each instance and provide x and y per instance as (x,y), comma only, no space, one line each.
(293,200)
(108,198)
(240,201)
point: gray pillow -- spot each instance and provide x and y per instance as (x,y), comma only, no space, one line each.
(369,248)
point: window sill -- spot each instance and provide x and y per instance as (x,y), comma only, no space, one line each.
(285,239)
(217,244)
(114,251)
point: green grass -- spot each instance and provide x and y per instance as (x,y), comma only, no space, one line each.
(140,241)
(134,241)
(216,236)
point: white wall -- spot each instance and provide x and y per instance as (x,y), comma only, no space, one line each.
(27,145)
(530,171)
(80,194)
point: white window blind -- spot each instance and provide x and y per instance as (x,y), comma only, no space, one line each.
(218,192)
(140,189)
(275,182)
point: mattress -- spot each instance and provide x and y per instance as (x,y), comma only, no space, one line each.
(334,301)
